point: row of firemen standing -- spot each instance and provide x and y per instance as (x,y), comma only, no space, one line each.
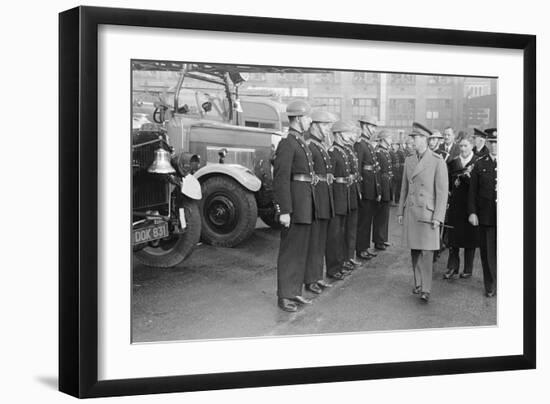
(333,189)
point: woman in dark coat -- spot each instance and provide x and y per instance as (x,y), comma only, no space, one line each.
(463,234)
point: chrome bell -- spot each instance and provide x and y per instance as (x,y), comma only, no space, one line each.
(161,164)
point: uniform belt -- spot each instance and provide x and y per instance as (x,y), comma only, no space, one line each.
(345,180)
(303,178)
(341,180)
(369,167)
(329,178)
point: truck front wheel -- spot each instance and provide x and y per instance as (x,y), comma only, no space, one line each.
(178,247)
(228,211)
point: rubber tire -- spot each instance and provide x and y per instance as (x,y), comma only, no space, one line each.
(185,244)
(246,208)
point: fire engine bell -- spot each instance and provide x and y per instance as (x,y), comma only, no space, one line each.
(161,164)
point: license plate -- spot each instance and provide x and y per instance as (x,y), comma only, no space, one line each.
(150,233)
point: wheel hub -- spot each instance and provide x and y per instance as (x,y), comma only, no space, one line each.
(221,213)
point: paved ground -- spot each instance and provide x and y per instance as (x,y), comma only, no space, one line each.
(230,292)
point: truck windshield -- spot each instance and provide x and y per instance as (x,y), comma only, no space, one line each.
(201,99)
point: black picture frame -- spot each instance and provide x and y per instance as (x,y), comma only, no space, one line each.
(78,206)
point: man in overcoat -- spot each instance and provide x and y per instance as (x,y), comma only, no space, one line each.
(462,234)
(321,123)
(482,209)
(369,185)
(424,193)
(293,178)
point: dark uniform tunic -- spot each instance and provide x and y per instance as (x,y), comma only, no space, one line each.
(354,199)
(482,200)
(292,159)
(398,174)
(382,216)
(335,251)
(463,234)
(324,210)
(481,153)
(370,189)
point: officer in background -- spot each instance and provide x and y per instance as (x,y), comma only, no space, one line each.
(480,139)
(482,209)
(336,243)
(382,216)
(434,141)
(449,145)
(293,178)
(354,199)
(319,131)
(370,187)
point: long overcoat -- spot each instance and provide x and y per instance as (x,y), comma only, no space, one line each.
(424,193)
(463,234)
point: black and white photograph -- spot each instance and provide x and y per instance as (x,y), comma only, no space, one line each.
(288,201)
(275,202)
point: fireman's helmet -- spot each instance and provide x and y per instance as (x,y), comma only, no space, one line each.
(384,134)
(343,126)
(298,108)
(370,120)
(322,117)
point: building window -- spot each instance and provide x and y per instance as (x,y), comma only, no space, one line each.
(476,90)
(439,80)
(402,79)
(366,78)
(291,77)
(365,107)
(439,111)
(401,112)
(257,77)
(330,104)
(327,78)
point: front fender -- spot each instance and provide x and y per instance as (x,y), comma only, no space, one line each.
(239,173)
(191,187)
